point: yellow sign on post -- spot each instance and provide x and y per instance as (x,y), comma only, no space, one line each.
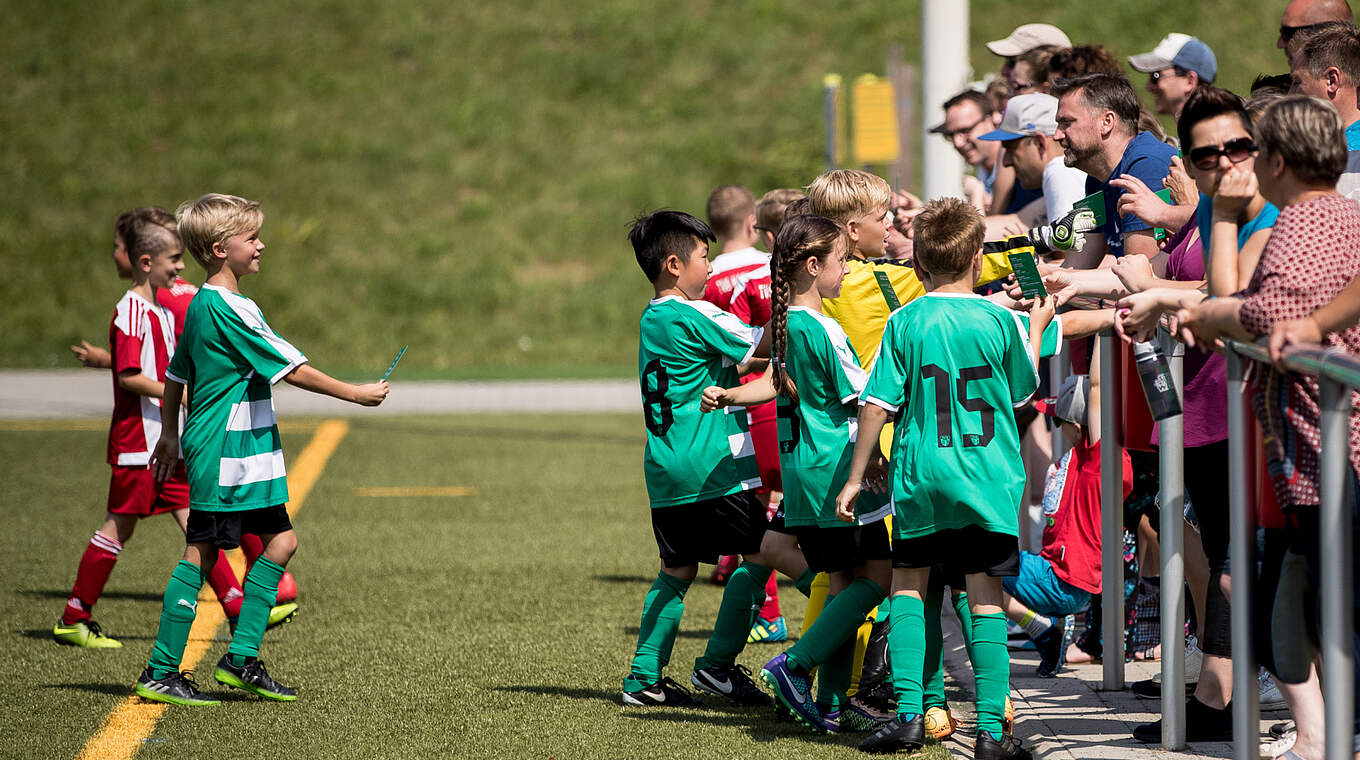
(873,114)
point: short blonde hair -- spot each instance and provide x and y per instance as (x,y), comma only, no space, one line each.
(214,218)
(770,208)
(842,194)
(1308,134)
(948,234)
(729,206)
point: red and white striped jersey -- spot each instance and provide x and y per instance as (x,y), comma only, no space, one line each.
(176,298)
(751,302)
(142,335)
(728,269)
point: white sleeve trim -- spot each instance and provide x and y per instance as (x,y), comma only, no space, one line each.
(877,402)
(292,365)
(172,376)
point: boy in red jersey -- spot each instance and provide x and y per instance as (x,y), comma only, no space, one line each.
(143,338)
(176,298)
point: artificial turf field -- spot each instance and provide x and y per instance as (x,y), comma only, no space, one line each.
(493,624)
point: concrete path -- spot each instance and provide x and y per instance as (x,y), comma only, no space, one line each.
(1069,717)
(74,393)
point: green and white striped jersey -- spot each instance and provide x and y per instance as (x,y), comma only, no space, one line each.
(817,434)
(955,365)
(227,358)
(684,347)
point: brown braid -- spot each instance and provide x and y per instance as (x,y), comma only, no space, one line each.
(800,238)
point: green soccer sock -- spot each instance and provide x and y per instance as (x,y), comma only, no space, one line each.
(965,614)
(991,671)
(833,677)
(179,606)
(841,617)
(933,670)
(906,652)
(661,613)
(804,582)
(262,589)
(741,600)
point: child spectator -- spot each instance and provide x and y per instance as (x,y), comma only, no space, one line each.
(956,468)
(228,358)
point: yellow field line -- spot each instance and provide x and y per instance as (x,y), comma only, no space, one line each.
(132,720)
(380,492)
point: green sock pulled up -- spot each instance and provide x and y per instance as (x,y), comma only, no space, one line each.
(741,600)
(661,612)
(261,591)
(179,607)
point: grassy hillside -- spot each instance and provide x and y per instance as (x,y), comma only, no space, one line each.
(457,178)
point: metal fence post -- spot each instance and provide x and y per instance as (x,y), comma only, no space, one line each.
(1112,519)
(1171,450)
(1242,548)
(1334,524)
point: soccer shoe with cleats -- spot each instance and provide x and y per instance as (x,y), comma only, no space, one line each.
(793,690)
(851,719)
(252,677)
(940,723)
(732,683)
(768,631)
(663,693)
(280,614)
(84,633)
(174,689)
(895,736)
(1009,748)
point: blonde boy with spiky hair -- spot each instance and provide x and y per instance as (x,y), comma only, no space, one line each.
(229,358)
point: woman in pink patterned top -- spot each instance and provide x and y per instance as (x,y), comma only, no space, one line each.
(1312,254)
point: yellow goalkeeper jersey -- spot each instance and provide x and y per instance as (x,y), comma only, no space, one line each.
(863,306)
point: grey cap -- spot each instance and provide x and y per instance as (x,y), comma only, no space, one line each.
(1070,403)
(1179,50)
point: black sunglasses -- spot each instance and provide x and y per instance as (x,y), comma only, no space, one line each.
(1237,151)
(1175,71)
(1287,32)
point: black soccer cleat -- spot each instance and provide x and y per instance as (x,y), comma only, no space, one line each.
(1009,748)
(174,689)
(895,736)
(1050,648)
(253,678)
(732,683)
(663,693)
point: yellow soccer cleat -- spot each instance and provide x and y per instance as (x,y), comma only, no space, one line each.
(940,723)
(281,614)
(84,633)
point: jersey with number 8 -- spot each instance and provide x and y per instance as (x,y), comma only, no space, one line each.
(955,364)
(684,347)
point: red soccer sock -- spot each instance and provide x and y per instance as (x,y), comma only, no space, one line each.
(252,547)
(93,572)
(771,609)
(225,583)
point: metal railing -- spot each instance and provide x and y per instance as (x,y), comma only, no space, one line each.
(1337,374)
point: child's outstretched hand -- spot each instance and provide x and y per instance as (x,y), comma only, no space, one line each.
(371,394)
(714,398)
(1041,312)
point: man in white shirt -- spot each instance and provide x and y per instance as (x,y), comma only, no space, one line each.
(1026,137)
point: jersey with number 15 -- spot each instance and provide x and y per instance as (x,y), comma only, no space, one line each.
(684,347)
(955,364)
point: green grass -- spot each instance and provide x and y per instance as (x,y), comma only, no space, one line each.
(493,625)
(457,177)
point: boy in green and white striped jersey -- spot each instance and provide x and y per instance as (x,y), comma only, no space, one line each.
(228,358)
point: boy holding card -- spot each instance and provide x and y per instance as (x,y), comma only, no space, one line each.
(228,358)
(953,363)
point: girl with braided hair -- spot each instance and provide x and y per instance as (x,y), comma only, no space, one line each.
(816,378)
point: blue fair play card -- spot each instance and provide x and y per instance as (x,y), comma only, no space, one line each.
(393,365)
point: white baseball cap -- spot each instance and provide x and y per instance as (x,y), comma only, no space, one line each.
(1033,114)
(1027,37)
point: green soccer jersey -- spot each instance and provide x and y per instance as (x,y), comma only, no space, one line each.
(228,358)
(955,365)
(817,434)
(684,347)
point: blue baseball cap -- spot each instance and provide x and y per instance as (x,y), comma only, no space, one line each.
(1035,113)
(1182,51)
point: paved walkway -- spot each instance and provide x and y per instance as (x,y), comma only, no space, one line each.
(1069,717)
(75,393)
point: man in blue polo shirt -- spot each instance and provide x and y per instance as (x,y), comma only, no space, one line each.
(1098,131)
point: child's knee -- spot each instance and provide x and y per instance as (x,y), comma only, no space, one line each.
(281,547)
